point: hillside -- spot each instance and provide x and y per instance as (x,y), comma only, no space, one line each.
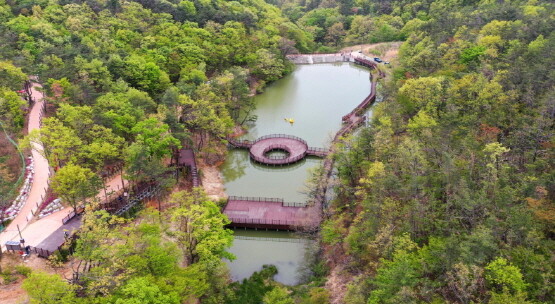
(447,196)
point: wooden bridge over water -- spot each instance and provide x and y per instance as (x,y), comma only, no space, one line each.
(295,149)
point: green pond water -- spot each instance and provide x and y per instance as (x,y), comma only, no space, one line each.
(316,97)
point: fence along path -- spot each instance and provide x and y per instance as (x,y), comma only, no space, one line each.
(41,168)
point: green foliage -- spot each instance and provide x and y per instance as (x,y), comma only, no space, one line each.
(278,295)
(44,288)
(11,109)
(74,184)
(11,77)
(143,290)
(137,264)
(253,289)
(58,141)
(449,166)
(23,270)
(504,276)
(155,137)
(201,233)
(472,54)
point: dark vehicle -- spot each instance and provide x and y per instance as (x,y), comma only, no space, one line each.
(376,59)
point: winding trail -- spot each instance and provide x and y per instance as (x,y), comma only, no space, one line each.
(41,171)
(34,232)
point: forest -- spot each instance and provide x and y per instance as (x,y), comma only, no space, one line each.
(447,196)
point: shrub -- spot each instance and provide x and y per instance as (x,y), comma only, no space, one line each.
(23,270)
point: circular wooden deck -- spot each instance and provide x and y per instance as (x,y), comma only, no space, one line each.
(296,149)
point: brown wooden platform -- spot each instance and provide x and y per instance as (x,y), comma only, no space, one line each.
(187,158)
(270,213)
(295,147)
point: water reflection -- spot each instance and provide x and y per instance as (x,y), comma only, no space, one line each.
(236,164)
(316,97)
(283,249)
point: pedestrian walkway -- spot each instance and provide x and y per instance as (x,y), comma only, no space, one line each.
(41,171)
(38,231)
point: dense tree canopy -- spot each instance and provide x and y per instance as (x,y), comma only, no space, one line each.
(445,194)
(447,197)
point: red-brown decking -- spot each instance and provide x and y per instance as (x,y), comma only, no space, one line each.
(296,149)
(270,213)
(187,158)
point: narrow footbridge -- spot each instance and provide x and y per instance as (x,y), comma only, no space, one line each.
(270,213)
(295,149)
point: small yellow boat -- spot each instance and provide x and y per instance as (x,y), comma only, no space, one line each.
(289,120)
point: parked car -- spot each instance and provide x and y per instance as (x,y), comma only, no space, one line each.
(386,62)
(376,59)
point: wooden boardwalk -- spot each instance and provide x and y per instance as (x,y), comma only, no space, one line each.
(270,213)
(295,148)
(187,158)
(351,122)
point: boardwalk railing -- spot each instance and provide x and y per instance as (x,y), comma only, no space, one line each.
(276,147)
(269,239)
(280,136)
(255,199)
(146,193)
(275,160)
(238,220)
(41,252)
(71,215)
(240,143)
(317,151)
(244,143)
(266,200)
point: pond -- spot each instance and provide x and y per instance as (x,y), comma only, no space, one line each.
(315,97)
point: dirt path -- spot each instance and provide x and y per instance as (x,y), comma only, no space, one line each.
(13,293)
(212,181)
(387,51)
(40,176)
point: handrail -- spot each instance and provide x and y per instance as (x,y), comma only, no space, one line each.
(280,161)
(271,239)
(280,136)
(266,200)
(276,147)
(254,199)
(239,220)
